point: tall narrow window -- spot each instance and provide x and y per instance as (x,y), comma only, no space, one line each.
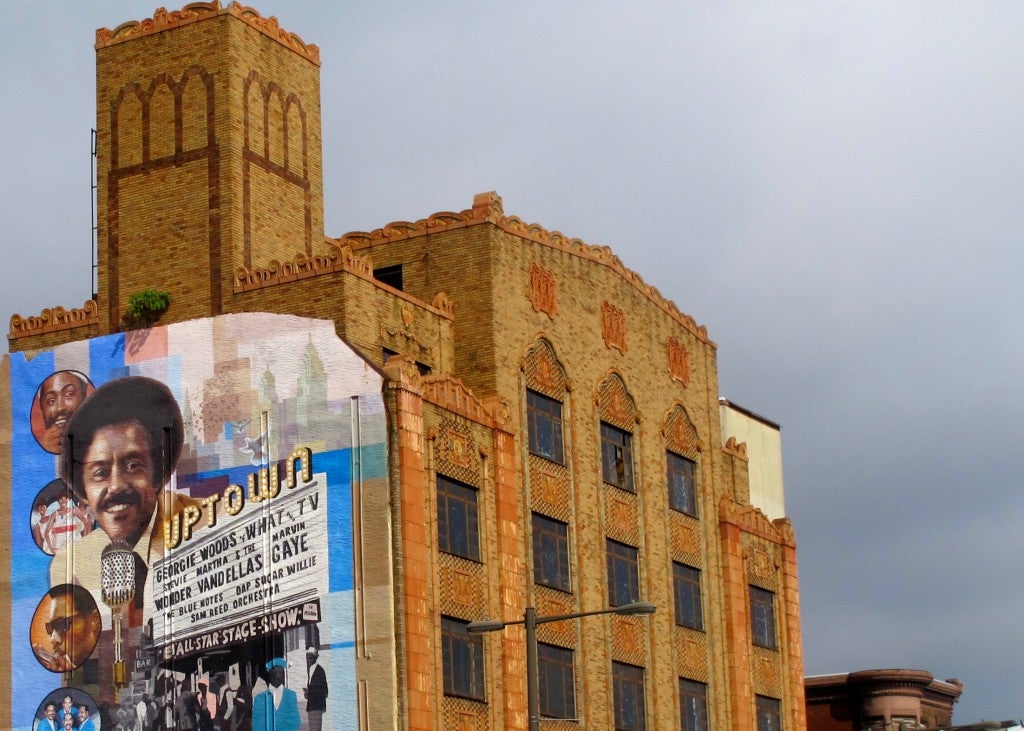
(682,491)
(457,519)
(616,457)
(769,714)
(686,582)
(550,552)
(623,574)
(693,705)
(762,617)
(628,682)
(462,656)
(544,424)
(557,687)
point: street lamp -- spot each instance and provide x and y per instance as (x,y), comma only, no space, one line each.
(530,620)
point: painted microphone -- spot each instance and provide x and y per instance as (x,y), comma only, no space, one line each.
(117,581)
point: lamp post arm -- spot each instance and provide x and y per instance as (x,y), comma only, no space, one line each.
(577,615)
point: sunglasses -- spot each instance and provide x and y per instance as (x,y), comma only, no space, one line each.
(61,624)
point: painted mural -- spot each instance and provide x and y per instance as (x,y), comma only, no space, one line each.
(182,539)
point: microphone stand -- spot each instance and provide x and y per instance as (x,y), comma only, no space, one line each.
(117,581)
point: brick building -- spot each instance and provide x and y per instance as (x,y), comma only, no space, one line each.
(555,436)
(880,699)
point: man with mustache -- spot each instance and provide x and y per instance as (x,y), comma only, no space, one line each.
(59,396)
(120,448)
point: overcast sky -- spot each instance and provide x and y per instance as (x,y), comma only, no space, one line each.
(833,188)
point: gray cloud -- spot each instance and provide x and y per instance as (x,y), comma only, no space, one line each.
(832,188)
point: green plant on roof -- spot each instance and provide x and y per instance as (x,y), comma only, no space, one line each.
(145,308)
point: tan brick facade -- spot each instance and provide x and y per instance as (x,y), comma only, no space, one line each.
(210,188)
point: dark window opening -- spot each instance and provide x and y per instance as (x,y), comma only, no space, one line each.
(686,583)
(623,574)
(628,682)
(769,714)
(682,487)
(458,530)
(391,276)
(462,656)
(544,424)
(557,688)
(762,617)
(616,457)
(551,552)
(693,705)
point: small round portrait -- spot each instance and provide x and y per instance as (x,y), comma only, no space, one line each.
(67,708)
(65,628)
(57,518)
(55,401)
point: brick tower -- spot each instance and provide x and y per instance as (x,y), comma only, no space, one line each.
(209,154)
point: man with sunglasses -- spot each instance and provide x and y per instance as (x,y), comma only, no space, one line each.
(72,625)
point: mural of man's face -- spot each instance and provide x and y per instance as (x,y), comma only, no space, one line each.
(117,480)
(73,633)
(51,711)
(83,714)
(60,395)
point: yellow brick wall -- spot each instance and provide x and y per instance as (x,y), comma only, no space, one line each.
(209,159)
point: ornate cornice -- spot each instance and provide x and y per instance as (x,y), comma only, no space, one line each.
(53,319)
(487,208)
(193,12)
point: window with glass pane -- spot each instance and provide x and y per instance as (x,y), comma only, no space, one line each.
(762,617)
(693,705)
(686,583)
(769,714)
(628,682)
(457,519)
(616,457)
(623,574)
(462,656)
(544,417)
(682,489)
(550,552)
(557,688)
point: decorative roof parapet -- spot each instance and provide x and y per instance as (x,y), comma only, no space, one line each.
(487,208)
(736,449)
(53,319)
(163,20)
(337,259)
(452,394)
(751,519)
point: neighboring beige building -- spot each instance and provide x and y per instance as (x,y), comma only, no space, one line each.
(764,450)
(556,437)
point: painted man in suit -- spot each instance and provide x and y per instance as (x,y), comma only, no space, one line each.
(316,691)
(277,707)
(49,720)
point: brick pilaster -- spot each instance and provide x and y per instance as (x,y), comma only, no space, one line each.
(413,549)
(738,643)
